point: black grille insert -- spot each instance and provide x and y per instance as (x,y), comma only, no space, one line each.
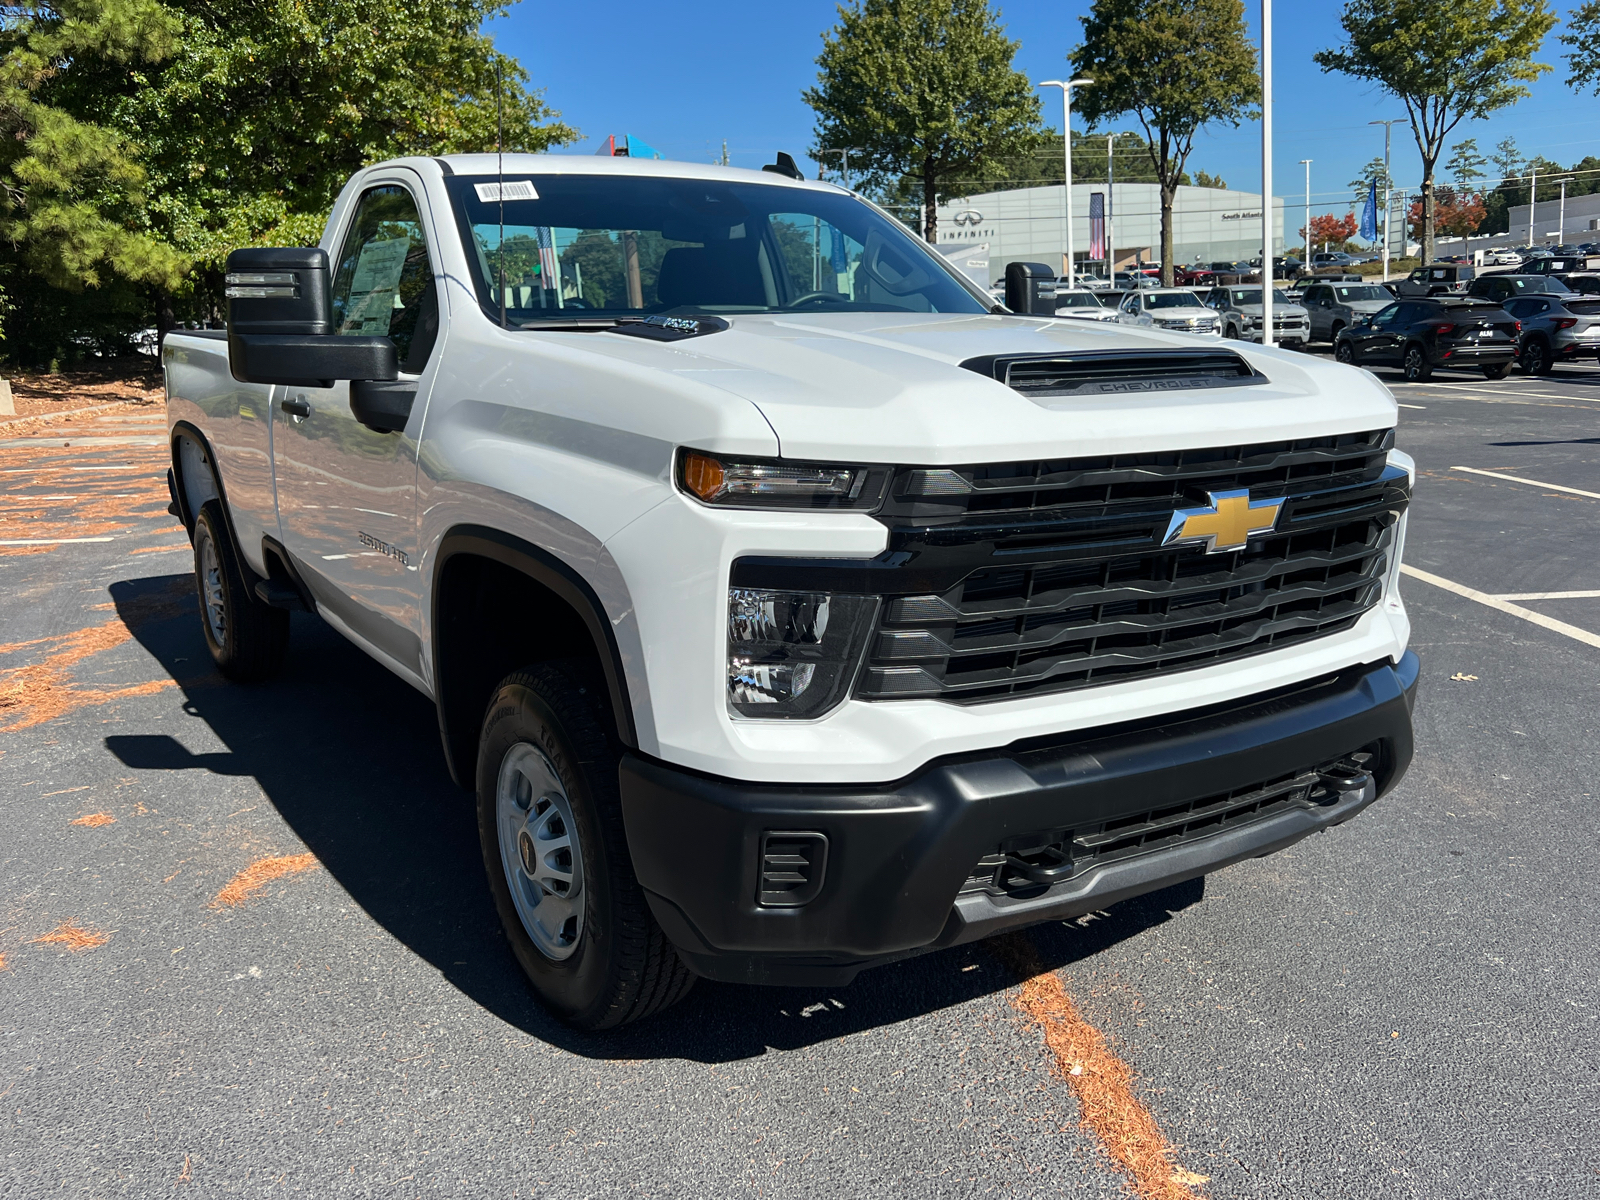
(1066,583)
(1030,864)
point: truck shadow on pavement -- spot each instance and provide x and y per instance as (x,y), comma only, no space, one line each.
(349,756)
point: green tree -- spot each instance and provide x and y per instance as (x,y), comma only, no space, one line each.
(1507,159)
(1444,62)
(1466,164)
(1177,65)
(1373,170)
(1201,179)
(925,89)
(72,191)
(253,126)
(1582,39)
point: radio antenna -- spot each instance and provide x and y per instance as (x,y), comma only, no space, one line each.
(500,179)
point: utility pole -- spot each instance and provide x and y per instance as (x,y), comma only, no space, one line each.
(1066,86)
(1388,204)
(1266,174)
(1533,205)
(844,167)
(1111,211)
(1306,163)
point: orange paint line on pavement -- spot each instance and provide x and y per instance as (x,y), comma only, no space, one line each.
(73,937)
(260,873)
(1100,1080)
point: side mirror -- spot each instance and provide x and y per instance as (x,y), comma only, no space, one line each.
(280,323)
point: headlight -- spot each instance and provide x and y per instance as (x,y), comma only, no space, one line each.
(793,654)
(778,483)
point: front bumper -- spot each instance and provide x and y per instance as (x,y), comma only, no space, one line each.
(902,873)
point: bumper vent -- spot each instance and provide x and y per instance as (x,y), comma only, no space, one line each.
(792,868)
(1118,372)
(1030,864)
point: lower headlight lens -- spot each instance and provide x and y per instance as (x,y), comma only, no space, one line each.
(793,654)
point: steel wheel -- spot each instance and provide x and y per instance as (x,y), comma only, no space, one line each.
(212,601)
(539,850)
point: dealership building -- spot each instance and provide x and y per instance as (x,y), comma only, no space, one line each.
(1028,225)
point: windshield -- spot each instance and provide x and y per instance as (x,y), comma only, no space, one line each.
(576,246)
(1247,296)
(1367,291)
(1077,300)
(1173,300)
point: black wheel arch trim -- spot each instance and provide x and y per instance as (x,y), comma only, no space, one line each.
(182,429)
(546,569)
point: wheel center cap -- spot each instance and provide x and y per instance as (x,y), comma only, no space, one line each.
(528,852)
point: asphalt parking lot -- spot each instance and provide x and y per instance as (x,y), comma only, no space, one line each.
(245,945)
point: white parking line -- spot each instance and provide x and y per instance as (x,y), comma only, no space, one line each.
(1411,405)
(1554,487)
(50,541)
(1547,596)
(1527,614)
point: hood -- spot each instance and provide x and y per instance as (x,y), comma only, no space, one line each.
(889,387)
(1286,310)
(1365,307)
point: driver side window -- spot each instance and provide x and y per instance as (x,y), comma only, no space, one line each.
(1386,316)
(383,280)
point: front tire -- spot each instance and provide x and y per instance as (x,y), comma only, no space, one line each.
(1417,366)
(550,825)
(247,639)
(1345,353)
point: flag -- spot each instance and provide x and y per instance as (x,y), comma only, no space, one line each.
(1369,215)
(1097,225)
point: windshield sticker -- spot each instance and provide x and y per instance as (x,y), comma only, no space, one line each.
(375,290)
(514,189)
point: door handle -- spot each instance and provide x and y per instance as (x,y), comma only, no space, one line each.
(295,408)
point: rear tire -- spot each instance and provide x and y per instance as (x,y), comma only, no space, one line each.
(550,825)
(1536,358)
(1417,366)
(1497,371)
(247,639)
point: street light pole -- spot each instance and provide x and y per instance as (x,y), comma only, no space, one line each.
(844,168)
(1306,163)
(1561,219)
(1266,173)
(1066,86)
(1111,211)
(1388,203)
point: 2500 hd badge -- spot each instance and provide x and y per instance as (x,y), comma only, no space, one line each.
(790,607)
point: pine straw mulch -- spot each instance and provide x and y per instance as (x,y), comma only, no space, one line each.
(97,381)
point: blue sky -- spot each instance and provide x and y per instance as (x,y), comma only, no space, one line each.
(684,77)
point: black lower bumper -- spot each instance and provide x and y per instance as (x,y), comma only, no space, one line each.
(976,844)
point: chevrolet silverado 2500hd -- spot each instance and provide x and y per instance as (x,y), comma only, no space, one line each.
(790,607)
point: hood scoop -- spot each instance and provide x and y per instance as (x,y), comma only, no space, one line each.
(1110,372)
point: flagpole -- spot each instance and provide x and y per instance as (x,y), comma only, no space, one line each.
(1266,173)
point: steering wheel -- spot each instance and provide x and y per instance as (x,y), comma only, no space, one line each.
(819,297)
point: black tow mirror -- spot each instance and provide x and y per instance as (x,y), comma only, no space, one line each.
(280,323)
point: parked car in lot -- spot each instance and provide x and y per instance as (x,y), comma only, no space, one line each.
(1437,279)
(1503,257)
(788,615)
(1134,279)
(1501,288)
(1331,306)
(1082,304)
(1176,309)
(1561,264)
(1195,276)
(1331,258)
(1239,308)
(1421,333)
(1555,329)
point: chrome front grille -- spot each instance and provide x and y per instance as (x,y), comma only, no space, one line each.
(1066,585)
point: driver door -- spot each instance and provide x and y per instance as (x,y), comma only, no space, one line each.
(347,494)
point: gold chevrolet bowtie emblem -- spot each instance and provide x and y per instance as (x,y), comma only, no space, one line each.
(1226,524)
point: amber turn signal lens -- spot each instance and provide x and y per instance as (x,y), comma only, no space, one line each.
(702,475)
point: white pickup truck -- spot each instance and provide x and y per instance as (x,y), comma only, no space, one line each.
(789,606)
